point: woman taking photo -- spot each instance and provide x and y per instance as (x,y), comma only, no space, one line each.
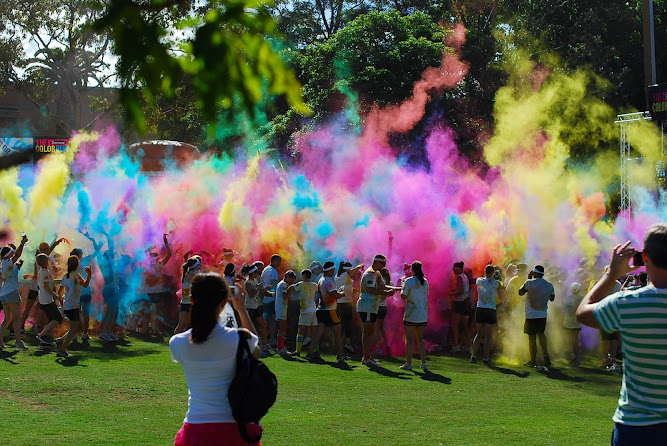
(207,353)
(415,295)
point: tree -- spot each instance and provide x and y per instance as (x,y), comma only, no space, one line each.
(62,55)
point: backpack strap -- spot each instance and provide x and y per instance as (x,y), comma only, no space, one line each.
(243,348)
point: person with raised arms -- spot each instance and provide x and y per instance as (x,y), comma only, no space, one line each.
(640,316)
(190,268)
(9,293)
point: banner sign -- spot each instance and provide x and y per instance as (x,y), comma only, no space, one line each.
(13,145)
(657,102)
(44,145)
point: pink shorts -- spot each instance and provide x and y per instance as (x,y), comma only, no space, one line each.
(215,434)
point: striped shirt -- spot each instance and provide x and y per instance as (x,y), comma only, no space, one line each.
(641,318)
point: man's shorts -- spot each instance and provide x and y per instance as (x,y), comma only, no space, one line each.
(52,312)
(608,336)
(269,309)
(11,298)
(73,315)
(535,326)
(308,319)
(382,312)
(255,313)
(327,317)
(281,312)
(462,307)
(32,294)
(414,324)
(368,317)
(486,316)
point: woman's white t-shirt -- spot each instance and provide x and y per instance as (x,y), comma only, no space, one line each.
(10,274)
(487,292)
(44,276)
(416,305)
(209,370)
(72,297)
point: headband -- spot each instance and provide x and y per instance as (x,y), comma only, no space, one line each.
(227,252)
(345,268)
(536,271)
(252,270)
(197,263)
(379,259)
(332,267)
(9,253)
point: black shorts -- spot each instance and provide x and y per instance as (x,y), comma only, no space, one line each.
(368,317)
(32,294)
(185,308)
(535,326)
(255,313)
(52,312)
(73,315)
(462,307)
(414,324)
(486,316)
(382,312)
(327,317)
(608,336)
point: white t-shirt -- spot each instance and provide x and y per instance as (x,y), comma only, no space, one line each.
(10,274)
(327,285)
(345,281)
(368,303)
(465,294)
(251,299)
(280,291)
(306,292)
(416,304)
(72,297)
(540,290)
(269,279)
(487,293)
(44,275)
(209,370)
(154,276)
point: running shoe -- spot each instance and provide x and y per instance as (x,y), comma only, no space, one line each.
(63,354)
(370,362)
(406,366)
(342,358)
(349,348)
(547,361)
(423,367)
(295,353)
(281,352)
(486,362)
(473,359)
(20,345)
(43,339)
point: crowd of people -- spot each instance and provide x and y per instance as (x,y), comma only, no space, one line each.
(630,311)
(297,312)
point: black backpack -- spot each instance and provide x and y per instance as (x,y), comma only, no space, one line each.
(253,390)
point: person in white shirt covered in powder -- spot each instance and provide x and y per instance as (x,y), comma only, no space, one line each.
(70,289)
(415,294)
(9,291)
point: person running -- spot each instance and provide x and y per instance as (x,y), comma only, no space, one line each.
(539,293)
(253,291)
(44,248)
(207,354)
(486,319)
(415,294)
(282,299)
(461,296)
(190,268)
(46,298)
(571,325)
(70,290)
(9,291)
(345,308)
(372,289)
(306,290)
(640,316)
(326,314)
(270,281)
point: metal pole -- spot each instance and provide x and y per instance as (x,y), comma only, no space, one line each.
(649,44)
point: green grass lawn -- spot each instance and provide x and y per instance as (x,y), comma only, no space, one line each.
(132,394)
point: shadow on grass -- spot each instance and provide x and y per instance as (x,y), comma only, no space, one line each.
(430,376)
(389,373)
(507,371)
(8,356)
(72,361)
(557,374)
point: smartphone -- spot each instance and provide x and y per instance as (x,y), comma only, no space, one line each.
(638,259)
(233,290)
